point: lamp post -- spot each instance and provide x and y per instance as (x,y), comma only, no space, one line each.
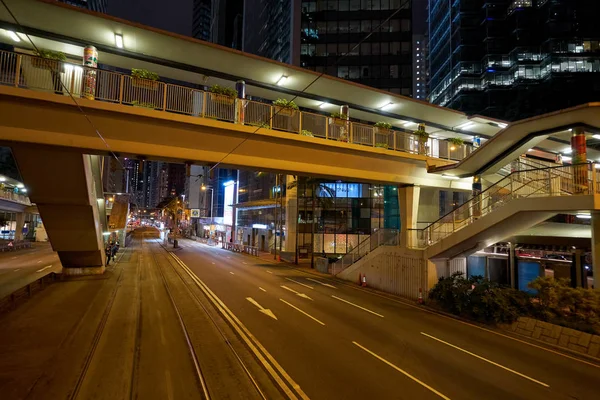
(212,192)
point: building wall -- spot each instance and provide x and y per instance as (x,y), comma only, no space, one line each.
(174,16)
(270,28)
(331,29)
(507,54)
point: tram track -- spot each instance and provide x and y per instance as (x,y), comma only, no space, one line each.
(199,303)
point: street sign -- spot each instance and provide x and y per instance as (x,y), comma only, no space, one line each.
(195,213)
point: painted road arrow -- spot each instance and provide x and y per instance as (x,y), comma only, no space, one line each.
(293,291)
(263,310)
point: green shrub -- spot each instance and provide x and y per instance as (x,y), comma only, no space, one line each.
(306,133)
(142,104)
(225,91)
(382,145)
(479,299)
(558,303)
(383,125)
(144,74)
(456,141)
(285,104)
(51,55)
(339,115)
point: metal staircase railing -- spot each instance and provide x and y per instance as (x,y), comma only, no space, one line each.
(580,179)
(383,237)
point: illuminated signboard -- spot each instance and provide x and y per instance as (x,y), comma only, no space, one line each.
(228,205)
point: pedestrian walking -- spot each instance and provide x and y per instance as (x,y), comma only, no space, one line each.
(108,252)
(114,250)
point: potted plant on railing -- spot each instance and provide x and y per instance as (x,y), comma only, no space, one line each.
(223,95)
(383,128)
(139,104)
(285,107)
(143,78)
(422,137)
(382,145)
(338,119)
(455,142)
(305,132)
(48,59)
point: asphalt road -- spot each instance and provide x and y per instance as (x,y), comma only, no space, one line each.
(340,342)
(20,268)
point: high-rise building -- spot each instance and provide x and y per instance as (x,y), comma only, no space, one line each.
(332,30)
(201,18)
(94,5)
(420,47)
(420,67)
(271,29)
(174,16)
(499,58)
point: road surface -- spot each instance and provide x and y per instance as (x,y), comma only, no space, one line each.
(340,342)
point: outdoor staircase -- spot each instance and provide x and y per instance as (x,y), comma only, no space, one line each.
(383,237)
(553,182)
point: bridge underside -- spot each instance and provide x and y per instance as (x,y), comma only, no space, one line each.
(27,116)
(63,184)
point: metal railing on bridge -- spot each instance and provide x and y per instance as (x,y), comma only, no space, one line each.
(570,180)
(25,71)
(383,237)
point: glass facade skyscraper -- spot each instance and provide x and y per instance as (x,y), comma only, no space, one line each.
(332,29)
(270,29)
(499,58)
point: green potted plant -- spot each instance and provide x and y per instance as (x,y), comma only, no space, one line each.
(143,78)
(139,104)
(285,107)
(382,145)
(338,119)
(383,128)
(455,142)
(48,59)
(306,133)
(422,137)
(222,94)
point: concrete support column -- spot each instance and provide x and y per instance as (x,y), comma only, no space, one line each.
(513,266)
(408,199)
(579,151)
(19,226)
(63,184)
(596,249)
(577,272)
(291,215)
(476,193)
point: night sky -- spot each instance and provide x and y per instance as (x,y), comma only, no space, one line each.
(172,15)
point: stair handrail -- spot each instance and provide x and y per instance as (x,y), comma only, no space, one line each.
(475,203)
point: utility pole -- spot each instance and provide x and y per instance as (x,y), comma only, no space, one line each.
(281,220)
(275,238)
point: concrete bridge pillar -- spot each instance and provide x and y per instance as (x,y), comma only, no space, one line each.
(67,189)
(408,199)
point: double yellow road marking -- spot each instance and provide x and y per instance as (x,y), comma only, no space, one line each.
(291,389)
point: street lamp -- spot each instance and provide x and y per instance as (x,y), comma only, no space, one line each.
(212,192)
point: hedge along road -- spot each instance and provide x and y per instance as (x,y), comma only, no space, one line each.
(339,342)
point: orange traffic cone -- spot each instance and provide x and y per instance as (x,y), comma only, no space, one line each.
(364,280)
(359,279)
(420,299)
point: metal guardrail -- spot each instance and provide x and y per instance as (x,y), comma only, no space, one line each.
(570,180)
(12,300)
(35,73)
(17,198)
(241,248)
(383,237)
